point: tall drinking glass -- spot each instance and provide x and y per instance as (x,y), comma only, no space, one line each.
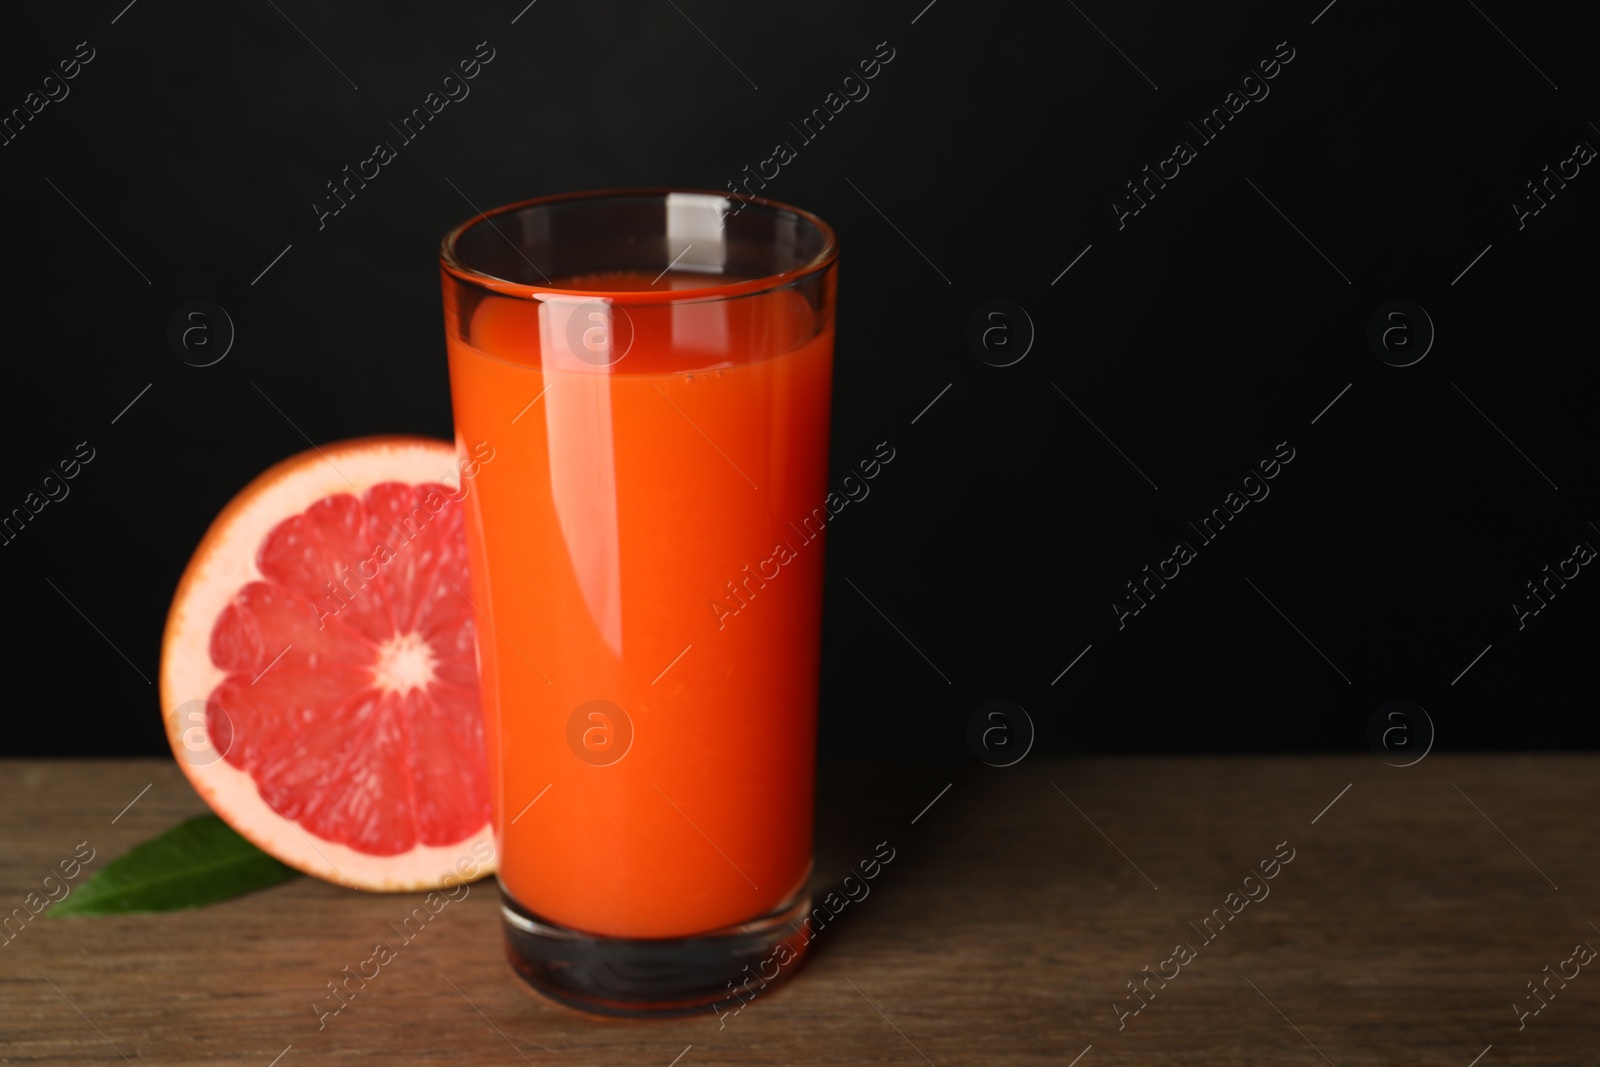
(644,379)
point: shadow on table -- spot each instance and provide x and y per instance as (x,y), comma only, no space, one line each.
(867,864)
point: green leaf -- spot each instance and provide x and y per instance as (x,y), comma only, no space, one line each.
(197,862)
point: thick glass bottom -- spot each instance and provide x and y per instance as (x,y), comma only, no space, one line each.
(717,971)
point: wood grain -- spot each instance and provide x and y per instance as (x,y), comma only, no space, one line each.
(1402,932)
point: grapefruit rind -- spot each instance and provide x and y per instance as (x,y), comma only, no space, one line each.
(209,584)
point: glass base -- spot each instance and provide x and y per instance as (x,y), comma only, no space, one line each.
(720,971)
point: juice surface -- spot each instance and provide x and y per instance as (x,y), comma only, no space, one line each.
(640,538)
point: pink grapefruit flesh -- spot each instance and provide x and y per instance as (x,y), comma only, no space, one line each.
(322,640)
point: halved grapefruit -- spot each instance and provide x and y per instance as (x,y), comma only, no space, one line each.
(318,671)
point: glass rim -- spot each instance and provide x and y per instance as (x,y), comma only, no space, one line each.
(452,263)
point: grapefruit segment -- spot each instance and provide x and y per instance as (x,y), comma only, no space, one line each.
(324,627)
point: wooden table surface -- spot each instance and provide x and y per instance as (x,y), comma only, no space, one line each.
(1415,910)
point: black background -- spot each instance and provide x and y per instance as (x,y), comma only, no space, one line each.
(1196,338)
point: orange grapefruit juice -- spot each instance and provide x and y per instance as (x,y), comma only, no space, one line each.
(649,593)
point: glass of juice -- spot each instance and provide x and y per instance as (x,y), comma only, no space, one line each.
(643,378)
